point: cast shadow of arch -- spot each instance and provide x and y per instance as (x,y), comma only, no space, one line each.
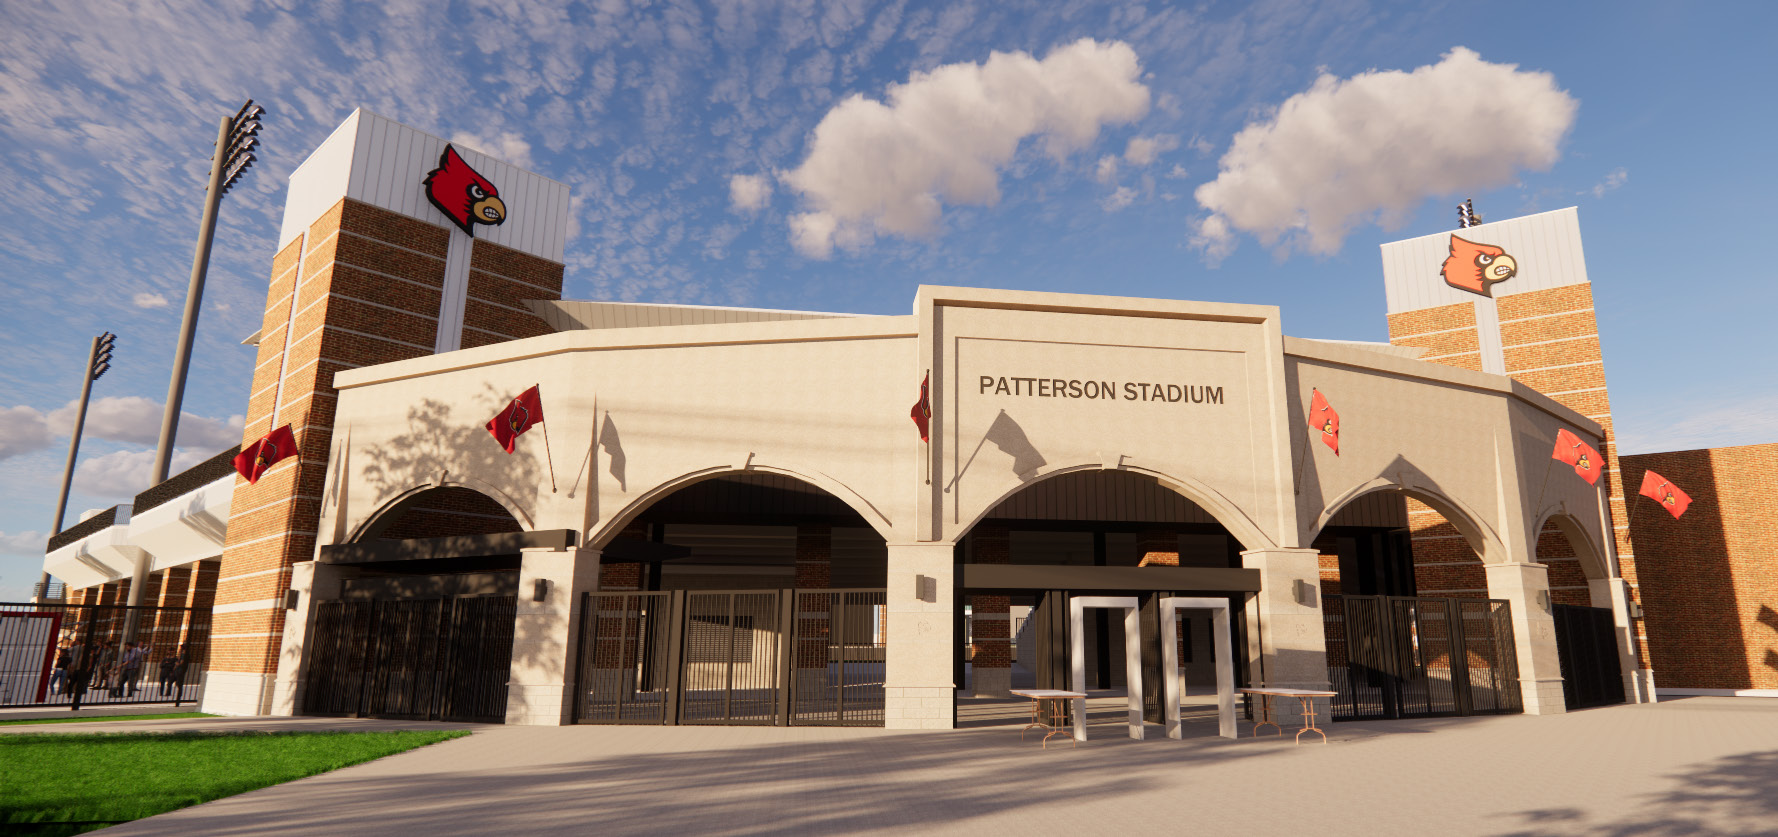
(1403,476)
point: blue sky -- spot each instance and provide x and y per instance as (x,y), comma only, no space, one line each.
(711,150)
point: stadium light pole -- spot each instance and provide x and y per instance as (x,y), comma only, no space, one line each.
(236,137)
(98,360)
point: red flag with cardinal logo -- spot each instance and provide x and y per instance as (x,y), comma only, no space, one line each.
(512,422)
(1324,420)
(922,412)
(257,458)
(1570,449)
(1657,488)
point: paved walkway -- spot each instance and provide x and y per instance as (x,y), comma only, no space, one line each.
(1698,766)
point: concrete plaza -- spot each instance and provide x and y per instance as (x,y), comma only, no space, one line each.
(1695,766)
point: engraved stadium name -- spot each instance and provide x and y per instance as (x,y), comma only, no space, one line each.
(1099,390)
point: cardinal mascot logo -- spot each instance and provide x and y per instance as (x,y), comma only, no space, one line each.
(519,419)
(1477,267)
(463,194)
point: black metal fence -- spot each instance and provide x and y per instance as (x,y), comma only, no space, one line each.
(769,657)
(1416,657)
(1586,646)
(83,655)
(417,659)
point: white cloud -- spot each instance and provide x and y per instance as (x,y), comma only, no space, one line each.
(23,543)
(148,300)
(126,472)
(944,135)
(1124,196)
(1378,144)
(1106,170)
(1143,150)
(22,430)
(1178,172)
(137,420)
(749,192)
(1613,179)
(1212,235)
(505,145)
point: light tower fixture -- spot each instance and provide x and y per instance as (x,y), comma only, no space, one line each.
(98,361)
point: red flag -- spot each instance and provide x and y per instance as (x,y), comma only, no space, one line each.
(255,459)
(922,412)
(1325,421)
(1657,488)
(510,423)
(1570,449)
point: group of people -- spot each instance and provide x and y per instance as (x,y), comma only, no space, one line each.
(102,665)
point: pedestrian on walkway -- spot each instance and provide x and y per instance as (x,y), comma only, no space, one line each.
(80,672)
(173,671)
(132,667)
(58,678)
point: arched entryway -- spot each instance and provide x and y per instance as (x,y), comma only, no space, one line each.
(738,598)
(1095,533)
(1592,647)
(1410,626)
(414,618)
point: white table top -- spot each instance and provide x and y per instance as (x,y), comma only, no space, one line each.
(1047,693)
(1289,692)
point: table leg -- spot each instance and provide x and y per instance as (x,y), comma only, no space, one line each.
(1265,714)
(1036,718)
(1309,721)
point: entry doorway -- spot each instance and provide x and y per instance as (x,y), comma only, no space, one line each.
(797,657)
(435,659)
(1586,646)
(1420,657)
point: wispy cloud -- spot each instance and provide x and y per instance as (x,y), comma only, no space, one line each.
(1613,179)
(749,192)
(148,300)
(1339,154)
(22,431)
(126,473)
(1726,422)
(22,543)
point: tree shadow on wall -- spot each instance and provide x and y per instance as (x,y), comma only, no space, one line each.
(441,445)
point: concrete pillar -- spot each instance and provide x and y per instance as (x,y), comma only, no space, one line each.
(1527,587)
(1292,637)
(540,690)
(918,690)
(312,582)
(1639,683)
(991,618)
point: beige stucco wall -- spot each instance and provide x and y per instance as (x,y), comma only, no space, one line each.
(635,414)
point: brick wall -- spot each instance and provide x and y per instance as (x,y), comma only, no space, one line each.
(370,287)
(1710,578)
(1550,342)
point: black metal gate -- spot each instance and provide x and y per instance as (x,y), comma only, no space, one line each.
(64,654)
(421,659)
(1416,657)
(1586,645)
(742,657)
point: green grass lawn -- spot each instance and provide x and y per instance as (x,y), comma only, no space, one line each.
(98,718)
(68,783)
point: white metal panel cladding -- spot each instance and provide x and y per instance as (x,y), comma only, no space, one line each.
(319,182)
(384,163)
(1546,246)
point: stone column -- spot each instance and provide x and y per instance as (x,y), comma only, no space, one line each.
(918,690)
(1293,640)
(1534,633)
(312,582)
(1639,683)
(991,618)
(540,690)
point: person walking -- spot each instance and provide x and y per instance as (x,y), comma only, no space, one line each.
(173,672)
(132,667)
(58,677)
(80,672)
(104,665)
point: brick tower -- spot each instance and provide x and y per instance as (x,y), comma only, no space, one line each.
(369,269)
(1539,328)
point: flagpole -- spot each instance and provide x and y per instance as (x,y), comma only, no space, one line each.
(926,455)
(1308,451)
(549,457)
